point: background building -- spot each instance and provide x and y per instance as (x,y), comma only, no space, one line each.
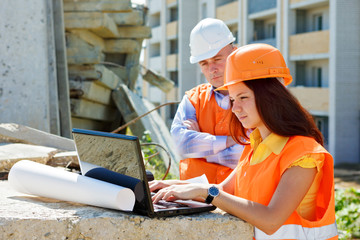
(320,40)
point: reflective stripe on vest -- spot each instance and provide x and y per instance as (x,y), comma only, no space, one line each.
(293,231)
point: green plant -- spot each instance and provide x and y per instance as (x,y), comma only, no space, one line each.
(154,158)
(347,208)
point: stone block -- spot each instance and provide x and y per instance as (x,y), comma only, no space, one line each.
(122,46)
(89,37)
(99,23)
(97,5)
(99,73)
(10,153)
(92,110)
(92,91)
(134,32)
(11,132)
(134,17)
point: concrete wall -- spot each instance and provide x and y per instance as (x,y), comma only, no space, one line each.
(28,87)
(344,81)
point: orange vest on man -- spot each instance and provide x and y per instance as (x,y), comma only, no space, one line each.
(214,120)
(258,183)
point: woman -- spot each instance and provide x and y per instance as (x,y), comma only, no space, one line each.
(283,184)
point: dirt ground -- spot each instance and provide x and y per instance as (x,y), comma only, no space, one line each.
(347,175)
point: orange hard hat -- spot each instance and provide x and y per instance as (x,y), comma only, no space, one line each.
(255,61)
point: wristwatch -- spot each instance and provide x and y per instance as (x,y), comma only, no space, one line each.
(212,193)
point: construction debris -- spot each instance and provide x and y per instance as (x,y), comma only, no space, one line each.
(103,45)
(18,142)
(15,133)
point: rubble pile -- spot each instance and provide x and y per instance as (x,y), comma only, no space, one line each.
(103,46)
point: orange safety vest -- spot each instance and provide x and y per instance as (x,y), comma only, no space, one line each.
(258,183)
(214,120)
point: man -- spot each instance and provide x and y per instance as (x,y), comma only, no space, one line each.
(200,126)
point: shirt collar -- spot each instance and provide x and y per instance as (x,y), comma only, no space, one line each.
(212,91)
(273,142)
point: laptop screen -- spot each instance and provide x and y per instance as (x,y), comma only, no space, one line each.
(115,152)
(118,153)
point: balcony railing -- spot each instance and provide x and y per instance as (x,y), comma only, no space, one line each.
(309,43)
(228,12)
(171,62)
(172,29)
(312,99)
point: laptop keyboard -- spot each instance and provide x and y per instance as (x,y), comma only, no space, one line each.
(162,204)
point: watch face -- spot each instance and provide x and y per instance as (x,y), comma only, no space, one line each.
(213,191)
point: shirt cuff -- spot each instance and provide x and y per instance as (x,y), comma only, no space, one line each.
(219,144)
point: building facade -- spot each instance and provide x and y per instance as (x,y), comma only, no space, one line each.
(320,41)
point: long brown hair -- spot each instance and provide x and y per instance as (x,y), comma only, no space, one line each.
(280,111)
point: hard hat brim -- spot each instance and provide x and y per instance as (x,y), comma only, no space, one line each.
(207,55)
(287,81)
(213,52)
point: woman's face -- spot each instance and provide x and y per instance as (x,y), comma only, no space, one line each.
(244,107)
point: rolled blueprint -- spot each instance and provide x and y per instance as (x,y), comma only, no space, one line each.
(41,180)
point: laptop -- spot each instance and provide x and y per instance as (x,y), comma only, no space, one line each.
(117,158)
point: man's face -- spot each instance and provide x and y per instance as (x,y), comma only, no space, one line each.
(213,68)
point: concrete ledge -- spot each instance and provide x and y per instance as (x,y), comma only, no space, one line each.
(30,217)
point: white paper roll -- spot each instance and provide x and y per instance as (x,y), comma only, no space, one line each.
(41,180)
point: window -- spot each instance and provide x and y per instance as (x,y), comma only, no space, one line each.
(323,125)
(172,111)
(317,77)
(154,20)
(301,21)
(174,77)
(234,31)
(173,46)
(154,50)
(300,76)
(173,14)
(203,10)
(258,30)
(317,22)
(271,30)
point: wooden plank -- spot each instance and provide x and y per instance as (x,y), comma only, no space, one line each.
(80,52)
(134,32)
(122,46)
(133,18)
(127,108)
(85,123)
(157,80)
(92,110)
(99,23)
(132,63)
(92,91)
(96,5)
(14,152)
(126,73)
(89,37)
(84,56)
(99,73)
(12,132)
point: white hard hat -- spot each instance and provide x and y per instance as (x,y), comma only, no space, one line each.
(207,38)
